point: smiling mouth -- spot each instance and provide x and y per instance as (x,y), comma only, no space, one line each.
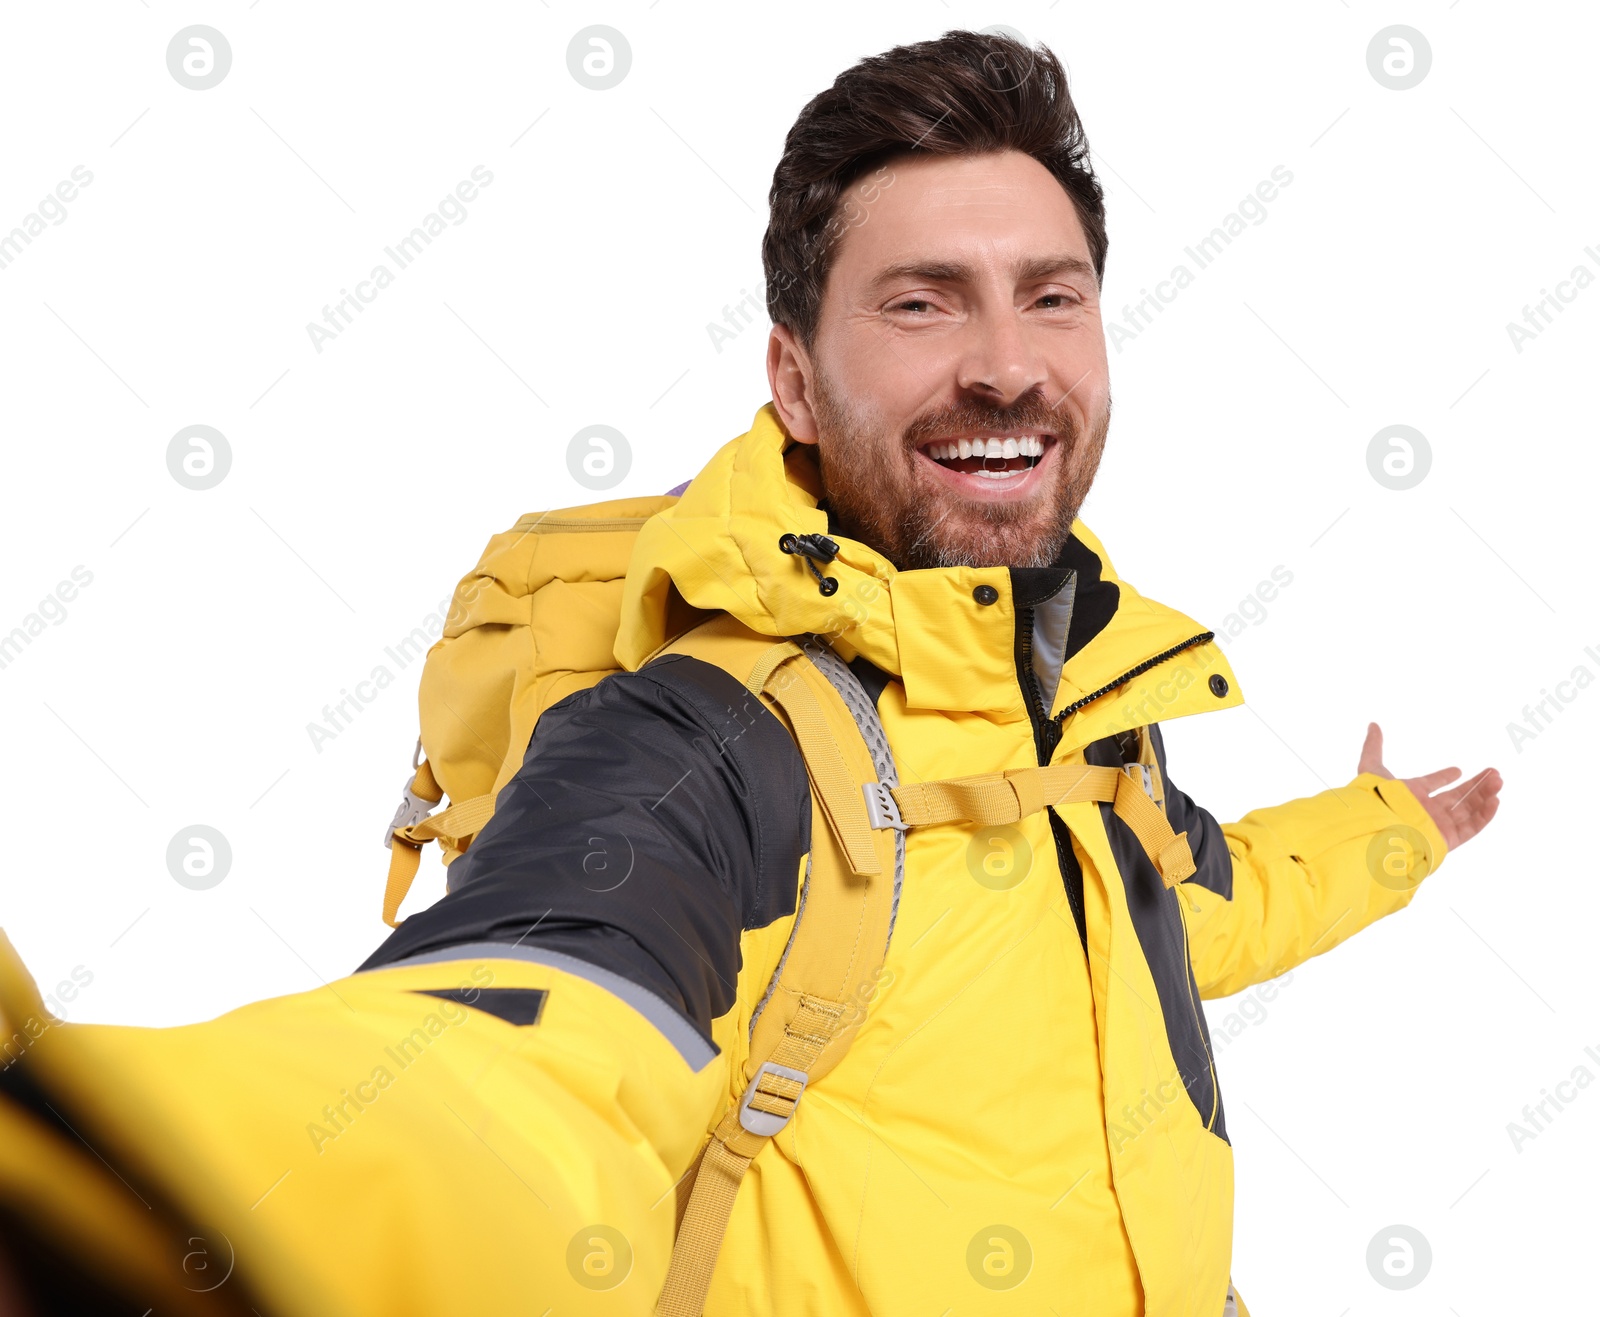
(999,458)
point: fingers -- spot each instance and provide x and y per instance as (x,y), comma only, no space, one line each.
(1428,783)
(1372,753)
(1479,792)
(1468,808)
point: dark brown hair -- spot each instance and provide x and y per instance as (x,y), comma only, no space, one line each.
(967,93)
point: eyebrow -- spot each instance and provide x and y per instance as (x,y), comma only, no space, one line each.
(949,272)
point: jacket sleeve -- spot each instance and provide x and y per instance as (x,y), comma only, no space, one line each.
(656,817)
(1292,881)
(492,1114)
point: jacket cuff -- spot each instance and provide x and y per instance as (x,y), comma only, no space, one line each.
(1403,802)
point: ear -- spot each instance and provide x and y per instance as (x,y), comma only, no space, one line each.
(789,372)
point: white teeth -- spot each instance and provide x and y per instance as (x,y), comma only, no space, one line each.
(957,449)
(998,475)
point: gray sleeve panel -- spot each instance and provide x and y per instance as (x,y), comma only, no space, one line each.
(669,1023)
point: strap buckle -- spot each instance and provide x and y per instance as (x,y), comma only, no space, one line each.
(1142,775)
(883,811)
(765,1124)
(413,808)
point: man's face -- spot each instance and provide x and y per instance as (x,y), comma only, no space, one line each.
(957,385)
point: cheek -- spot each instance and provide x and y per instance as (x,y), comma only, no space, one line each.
(1079,359)
(889,384)
(1082,375)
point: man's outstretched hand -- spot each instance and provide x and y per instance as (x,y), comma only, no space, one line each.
(1460,813)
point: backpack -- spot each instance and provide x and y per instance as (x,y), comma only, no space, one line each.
(534,622)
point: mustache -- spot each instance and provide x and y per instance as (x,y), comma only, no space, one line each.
(1029,412)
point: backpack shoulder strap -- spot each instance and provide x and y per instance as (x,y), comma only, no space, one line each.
(834,960)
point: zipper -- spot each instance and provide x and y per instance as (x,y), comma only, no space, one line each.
(1130,674)
(535,521)
(1046,734)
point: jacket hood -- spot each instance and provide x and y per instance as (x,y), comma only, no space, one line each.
(716,549)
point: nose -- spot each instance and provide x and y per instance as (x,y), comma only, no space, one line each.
(1002,362)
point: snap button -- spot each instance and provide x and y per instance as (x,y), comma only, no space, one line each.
(1218,684)
(986,594)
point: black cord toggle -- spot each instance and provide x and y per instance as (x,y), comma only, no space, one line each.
(813,549)
(819,547)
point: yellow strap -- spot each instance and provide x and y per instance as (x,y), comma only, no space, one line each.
(728,1156)
(842,802)
(463,819)
(425,784)
(768,663)
(992,799)
(450,826)
(403,861)
(1168,851)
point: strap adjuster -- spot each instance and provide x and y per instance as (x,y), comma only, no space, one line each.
(767,1123)
(883,811)
(1142,775)
(413,808)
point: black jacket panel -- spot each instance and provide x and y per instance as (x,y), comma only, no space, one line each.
(1157,920)
(656,816)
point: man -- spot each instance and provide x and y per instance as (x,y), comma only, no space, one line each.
(1027,1116)
(938,373)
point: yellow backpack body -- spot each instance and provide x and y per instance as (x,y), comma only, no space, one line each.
(531,624)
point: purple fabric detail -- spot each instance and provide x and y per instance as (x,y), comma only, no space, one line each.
(677,490)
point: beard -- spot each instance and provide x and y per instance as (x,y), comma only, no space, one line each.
(875,488)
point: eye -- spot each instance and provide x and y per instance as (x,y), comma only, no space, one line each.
(1055,301)
(915,305)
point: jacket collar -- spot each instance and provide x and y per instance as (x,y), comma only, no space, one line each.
(717,550)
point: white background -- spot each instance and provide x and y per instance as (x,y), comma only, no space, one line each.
(1377,1086)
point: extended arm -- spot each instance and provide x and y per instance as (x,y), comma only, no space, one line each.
(492,1114)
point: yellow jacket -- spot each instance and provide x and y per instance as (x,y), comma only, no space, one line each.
(491,1118)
